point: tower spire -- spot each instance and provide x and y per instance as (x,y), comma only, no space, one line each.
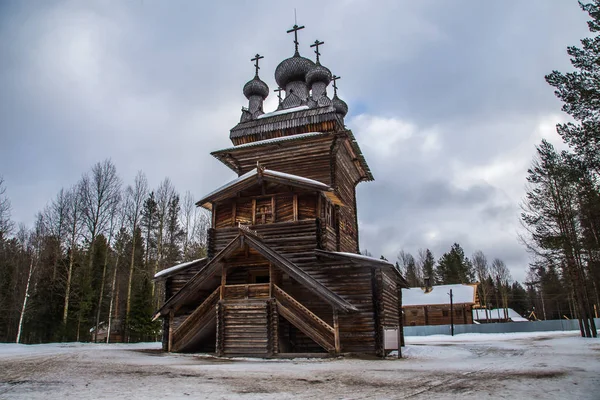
(255,59)
(295,29)
(317,44)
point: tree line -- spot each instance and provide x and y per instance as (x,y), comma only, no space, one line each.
(88,262)
(561,210)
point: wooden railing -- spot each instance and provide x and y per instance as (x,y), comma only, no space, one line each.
(187,327)
(304,319)
(249,291)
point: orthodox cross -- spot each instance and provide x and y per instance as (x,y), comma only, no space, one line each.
(279,90)
(335,78)
(317,44)
(295,29)
(255,59)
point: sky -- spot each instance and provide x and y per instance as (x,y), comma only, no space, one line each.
(446,99)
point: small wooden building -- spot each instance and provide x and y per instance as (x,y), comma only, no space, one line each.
(283,273)
(431,305)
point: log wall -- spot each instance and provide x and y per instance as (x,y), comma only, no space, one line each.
(437,315)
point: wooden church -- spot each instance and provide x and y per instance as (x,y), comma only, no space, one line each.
(283,272)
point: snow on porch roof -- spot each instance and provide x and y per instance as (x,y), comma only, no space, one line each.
(268,175)
(439,295)
(176,268)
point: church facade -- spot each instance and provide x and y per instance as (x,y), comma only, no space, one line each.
(283,272)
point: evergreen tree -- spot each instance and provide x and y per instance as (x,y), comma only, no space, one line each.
(454,267)
(427,265)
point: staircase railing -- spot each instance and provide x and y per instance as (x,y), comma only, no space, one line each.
(191,322)
(304,319)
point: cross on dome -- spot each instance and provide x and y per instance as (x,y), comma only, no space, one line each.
(279,90)
(295,29)
(334,79)
(317,44)
(255,59)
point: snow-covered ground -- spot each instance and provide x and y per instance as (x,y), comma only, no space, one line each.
(549,365)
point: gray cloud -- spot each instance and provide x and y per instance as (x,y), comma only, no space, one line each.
(447,101)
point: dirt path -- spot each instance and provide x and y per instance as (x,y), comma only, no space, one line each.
(549,367)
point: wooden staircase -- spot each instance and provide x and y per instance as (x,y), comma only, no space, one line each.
(305,320)
(197,326)
(244,328)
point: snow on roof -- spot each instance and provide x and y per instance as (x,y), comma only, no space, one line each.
(233,182)
(266,173)
(272,140)
(175,268)
(296,178)
(361,257)
(438,295)
(497,313)
(284,111)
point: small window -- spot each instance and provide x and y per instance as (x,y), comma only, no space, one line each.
(458,312)
(261,279)
(414,312)
(444,313)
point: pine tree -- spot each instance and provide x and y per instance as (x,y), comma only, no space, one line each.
(454,267)
(427,265)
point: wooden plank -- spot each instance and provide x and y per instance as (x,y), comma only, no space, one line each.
(336,327)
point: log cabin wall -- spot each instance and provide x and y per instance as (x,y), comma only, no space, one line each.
(346,178)
(389,316)
(309,158)
(437,314)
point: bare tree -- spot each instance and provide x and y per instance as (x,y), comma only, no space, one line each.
(56,224)
(136,196)
(482,270)
(195,223)
(6,224)
(164,195)
(502,277)
(32,242)
(74,228)
(113,217)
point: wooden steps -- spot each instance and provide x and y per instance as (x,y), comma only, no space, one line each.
(198,326)
(245,328)
(305,320)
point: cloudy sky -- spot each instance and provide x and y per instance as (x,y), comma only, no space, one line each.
(446,98)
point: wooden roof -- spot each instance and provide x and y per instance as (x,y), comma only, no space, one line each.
(255,176)
(245,236)
(282,122)
(359,259)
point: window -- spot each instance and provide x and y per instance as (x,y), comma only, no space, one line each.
(444,313)
(414,312)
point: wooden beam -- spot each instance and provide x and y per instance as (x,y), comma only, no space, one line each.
(253,211)
(425,310)
(223,279)
(295,207)
(170,344)
(273,213)
(214,215)
(233,212)
(336,327)
(400,321)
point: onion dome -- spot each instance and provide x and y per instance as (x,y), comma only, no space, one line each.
(293,69)
(318,73)
(339,105)
(256,87)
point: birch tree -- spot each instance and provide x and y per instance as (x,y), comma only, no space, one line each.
(482,271)
(136,195)
(74,227)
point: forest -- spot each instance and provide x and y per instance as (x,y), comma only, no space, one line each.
(88,262)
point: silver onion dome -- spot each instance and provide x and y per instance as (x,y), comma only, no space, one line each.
(256,87)
(318,73)
(339,105)
(293,69)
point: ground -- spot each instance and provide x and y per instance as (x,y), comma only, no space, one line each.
(550,365)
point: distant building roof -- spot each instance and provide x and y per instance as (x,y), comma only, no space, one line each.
(497,313)
(440,295)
